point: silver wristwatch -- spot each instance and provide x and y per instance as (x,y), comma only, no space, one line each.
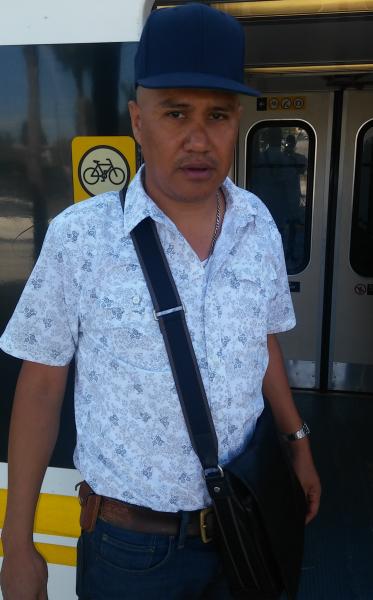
(304,431)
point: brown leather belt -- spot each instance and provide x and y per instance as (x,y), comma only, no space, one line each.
(139,518)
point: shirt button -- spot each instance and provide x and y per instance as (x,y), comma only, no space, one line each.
(136,299)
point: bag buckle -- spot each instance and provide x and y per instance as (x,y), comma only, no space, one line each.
(168,311)
(213,472)
(203,524)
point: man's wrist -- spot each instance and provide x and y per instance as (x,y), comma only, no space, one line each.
(13,541)
(299,434)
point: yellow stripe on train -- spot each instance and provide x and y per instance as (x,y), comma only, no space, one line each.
(58,555)
(55,515)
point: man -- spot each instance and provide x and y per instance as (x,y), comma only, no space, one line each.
(87,297)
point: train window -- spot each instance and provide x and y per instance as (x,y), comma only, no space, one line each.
(361,249)
(279,169)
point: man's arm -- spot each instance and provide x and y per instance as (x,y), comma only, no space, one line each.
(277,391)
(33,433)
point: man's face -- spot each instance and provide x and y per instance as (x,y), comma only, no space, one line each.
(187,139)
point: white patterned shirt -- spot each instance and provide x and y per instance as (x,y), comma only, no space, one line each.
(87,296)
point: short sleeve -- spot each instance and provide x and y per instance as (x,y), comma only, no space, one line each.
(44,325)
(280,308)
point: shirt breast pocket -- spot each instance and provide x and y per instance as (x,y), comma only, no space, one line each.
(119,322)
(247,299)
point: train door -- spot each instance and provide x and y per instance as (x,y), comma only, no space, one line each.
(351,345)
(284,150)
(285,155)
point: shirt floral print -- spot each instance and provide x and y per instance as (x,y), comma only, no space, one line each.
(87,296)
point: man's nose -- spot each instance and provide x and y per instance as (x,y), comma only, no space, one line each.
(197,138)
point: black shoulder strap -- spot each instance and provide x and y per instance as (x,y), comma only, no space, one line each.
(170,314)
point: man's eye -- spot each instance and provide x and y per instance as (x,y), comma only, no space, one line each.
(175,114)
(217,116)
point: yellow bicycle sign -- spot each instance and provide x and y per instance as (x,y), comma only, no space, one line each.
(102,164)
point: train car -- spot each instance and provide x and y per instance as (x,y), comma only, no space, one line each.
(305,147)
(66,77)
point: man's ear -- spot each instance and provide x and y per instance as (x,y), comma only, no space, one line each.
(135,114)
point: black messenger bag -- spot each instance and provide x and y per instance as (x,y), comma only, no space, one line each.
(258,502)
(260,509)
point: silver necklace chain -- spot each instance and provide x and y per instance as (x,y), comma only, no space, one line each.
(217,223)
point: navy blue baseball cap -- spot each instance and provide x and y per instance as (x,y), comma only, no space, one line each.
(192,46)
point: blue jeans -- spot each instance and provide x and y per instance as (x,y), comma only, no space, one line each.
(118,564)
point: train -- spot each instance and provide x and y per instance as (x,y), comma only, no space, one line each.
(305,147)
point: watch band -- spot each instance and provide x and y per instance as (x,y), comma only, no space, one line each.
(304,431)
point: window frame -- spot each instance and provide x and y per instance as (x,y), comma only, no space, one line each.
(311,159)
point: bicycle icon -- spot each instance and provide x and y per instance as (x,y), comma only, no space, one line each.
(102,171)
(103,168)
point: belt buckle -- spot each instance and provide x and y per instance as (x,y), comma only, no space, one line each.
(203,525)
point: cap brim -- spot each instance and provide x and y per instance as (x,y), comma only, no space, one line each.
(196,80)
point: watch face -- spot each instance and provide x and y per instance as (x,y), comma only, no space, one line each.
(303,432)
(298,435)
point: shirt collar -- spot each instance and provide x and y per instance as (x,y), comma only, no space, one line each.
(242,203)
(138,205)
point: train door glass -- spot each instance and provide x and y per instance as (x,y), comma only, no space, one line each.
(280,157)
(361,250)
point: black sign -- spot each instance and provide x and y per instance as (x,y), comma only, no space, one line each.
(261,104)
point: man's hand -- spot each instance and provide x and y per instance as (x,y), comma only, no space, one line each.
(24,575)
(306,472)
(277,391)
(33,433)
